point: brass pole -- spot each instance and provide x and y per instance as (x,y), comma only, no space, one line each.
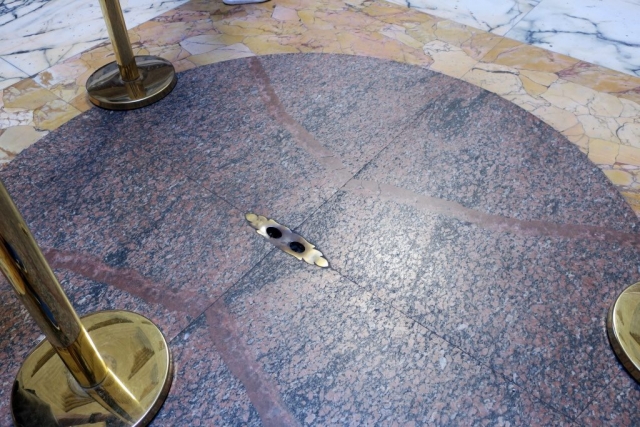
(24,266)
(43,381)
(623,327)
(120,39)
(131,81)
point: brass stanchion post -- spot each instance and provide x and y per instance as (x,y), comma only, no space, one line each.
(131,81)
(623,327)
(112,367)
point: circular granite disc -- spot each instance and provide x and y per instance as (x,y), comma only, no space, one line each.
(473,250)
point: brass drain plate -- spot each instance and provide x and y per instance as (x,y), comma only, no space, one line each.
(286,240)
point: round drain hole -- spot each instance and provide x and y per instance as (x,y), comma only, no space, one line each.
(274,233)
(296,247)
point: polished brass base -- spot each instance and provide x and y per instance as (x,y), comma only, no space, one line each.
(136,352)
(107,89)
(623,326)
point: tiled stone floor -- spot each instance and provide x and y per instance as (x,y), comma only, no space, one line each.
(595,108)
(470,270)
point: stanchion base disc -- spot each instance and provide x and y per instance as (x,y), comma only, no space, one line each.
(45,394)
(623,327)
(107,89)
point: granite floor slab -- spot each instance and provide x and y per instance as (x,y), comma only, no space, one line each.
(466,286)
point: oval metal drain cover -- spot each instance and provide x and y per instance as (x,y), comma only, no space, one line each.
(286,240)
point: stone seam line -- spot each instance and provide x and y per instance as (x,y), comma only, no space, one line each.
(222,327)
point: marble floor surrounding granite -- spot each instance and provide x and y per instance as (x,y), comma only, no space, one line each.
(476,196)
(458,292)
(603,33)
(37,34)
(596,108)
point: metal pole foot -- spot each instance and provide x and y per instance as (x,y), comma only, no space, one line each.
(44,393)
(623,327)
(113,367)
(108,90)
(131,81)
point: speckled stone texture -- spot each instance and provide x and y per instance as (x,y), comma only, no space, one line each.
(470,273)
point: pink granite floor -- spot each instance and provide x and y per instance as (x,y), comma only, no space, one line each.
(470,272)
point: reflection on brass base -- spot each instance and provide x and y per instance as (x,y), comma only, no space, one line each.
(107,89)
(45,394)
(623,326)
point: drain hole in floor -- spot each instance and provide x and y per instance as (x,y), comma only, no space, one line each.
(296,247)
(274,233)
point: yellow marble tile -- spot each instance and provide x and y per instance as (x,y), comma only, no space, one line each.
(53,114)
(597,109)
(388,12)
(448,59)
(542,78)
(629,134)
(603,152)
(183,65)
(629,108)
(632,95)
(577,136)
(199,6)
(64,79)
(155,33)
(172,53)
(265,45)
(628,156)
(633,199)
(313,22)
(378,46)
(207,42)
(98,57)
(531,87)
(281,13)
(27,95)
(521,56)
(558,118)
(619,177)
(495,78)
(398,33)
(17,138)
(568,96)
(599,127)
(238,30)
(600,79)
(351,21)
(316,41)
(182,14)
(81,102)
(225,53)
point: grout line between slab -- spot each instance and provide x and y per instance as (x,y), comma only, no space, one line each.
(596,397)
(520,20)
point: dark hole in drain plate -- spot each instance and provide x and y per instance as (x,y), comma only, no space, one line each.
(274,233)
(297,247)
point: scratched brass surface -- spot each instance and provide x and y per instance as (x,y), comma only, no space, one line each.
(623,326)
(131,81)
(112,366)
(107,89)
(26,269)
(139,379)
(286,240)
(113,18)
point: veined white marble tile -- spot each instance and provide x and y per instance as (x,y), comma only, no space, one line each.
(9,74)
(606,33)
(36,34)
(496,16)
